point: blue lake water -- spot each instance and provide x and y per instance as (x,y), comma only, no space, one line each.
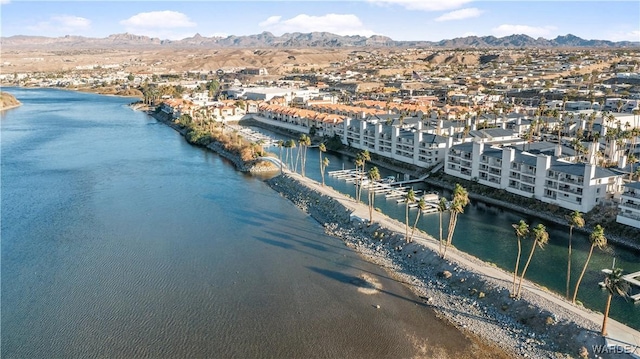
(120,240)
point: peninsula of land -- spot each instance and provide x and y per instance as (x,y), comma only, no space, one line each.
(8,101)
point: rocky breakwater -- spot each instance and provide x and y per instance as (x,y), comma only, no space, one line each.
(533,326)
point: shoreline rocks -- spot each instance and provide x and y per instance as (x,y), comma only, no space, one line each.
(532,326)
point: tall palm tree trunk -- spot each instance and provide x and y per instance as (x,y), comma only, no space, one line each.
(606,315)
(372,198)
(452,225)
(295,168)
(406,221)
(321,167)
(440,242)
(584,269)
(524,270)
(515,272)
(415,224)
(569,261)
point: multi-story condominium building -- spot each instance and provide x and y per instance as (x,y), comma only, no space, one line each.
(406,142)
(629,208)
(574,186)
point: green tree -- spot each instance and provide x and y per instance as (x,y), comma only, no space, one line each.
(373,175)
(409,198)
(522,231)
(575,220)
(540,238)
(597,239)
(459,200)
(615,285)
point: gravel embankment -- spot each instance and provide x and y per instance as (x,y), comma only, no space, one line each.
(532,327)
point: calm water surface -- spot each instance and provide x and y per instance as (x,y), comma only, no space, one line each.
(121,240)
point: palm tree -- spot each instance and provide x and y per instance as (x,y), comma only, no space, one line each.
(359,162)
(325,164)
(305,142)
(458,202)
(422,205)
(540,238)
(410,197)
(291,145)
(522,230)
(322,149)
(575,220)
(280,145)
(615,284)
(597,239)
(442,206)
(373,175)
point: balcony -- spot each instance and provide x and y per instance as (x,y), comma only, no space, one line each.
(630,205)
(567,189)
(579,180)
(629,215)
(631,194)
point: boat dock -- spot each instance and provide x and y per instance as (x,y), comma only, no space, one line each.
(391,190)
(254,136)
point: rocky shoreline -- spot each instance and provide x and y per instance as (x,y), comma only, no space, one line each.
(533,327)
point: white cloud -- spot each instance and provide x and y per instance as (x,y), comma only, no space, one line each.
(161,24)
(341,24)
(158,19)
(271,20)
(633,35)
(423,5)
(71,21)
(460,14)
(61,25)
(5,2)
(533,31)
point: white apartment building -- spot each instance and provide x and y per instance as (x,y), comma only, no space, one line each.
(574,186)
(629,208)
(405,143)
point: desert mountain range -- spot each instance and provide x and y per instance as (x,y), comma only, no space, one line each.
(299,40)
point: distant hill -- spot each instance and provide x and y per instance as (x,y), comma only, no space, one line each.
(300,40)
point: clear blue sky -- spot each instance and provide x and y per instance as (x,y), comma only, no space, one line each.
(398,19)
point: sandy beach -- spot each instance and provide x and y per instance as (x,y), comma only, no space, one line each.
(473,295)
